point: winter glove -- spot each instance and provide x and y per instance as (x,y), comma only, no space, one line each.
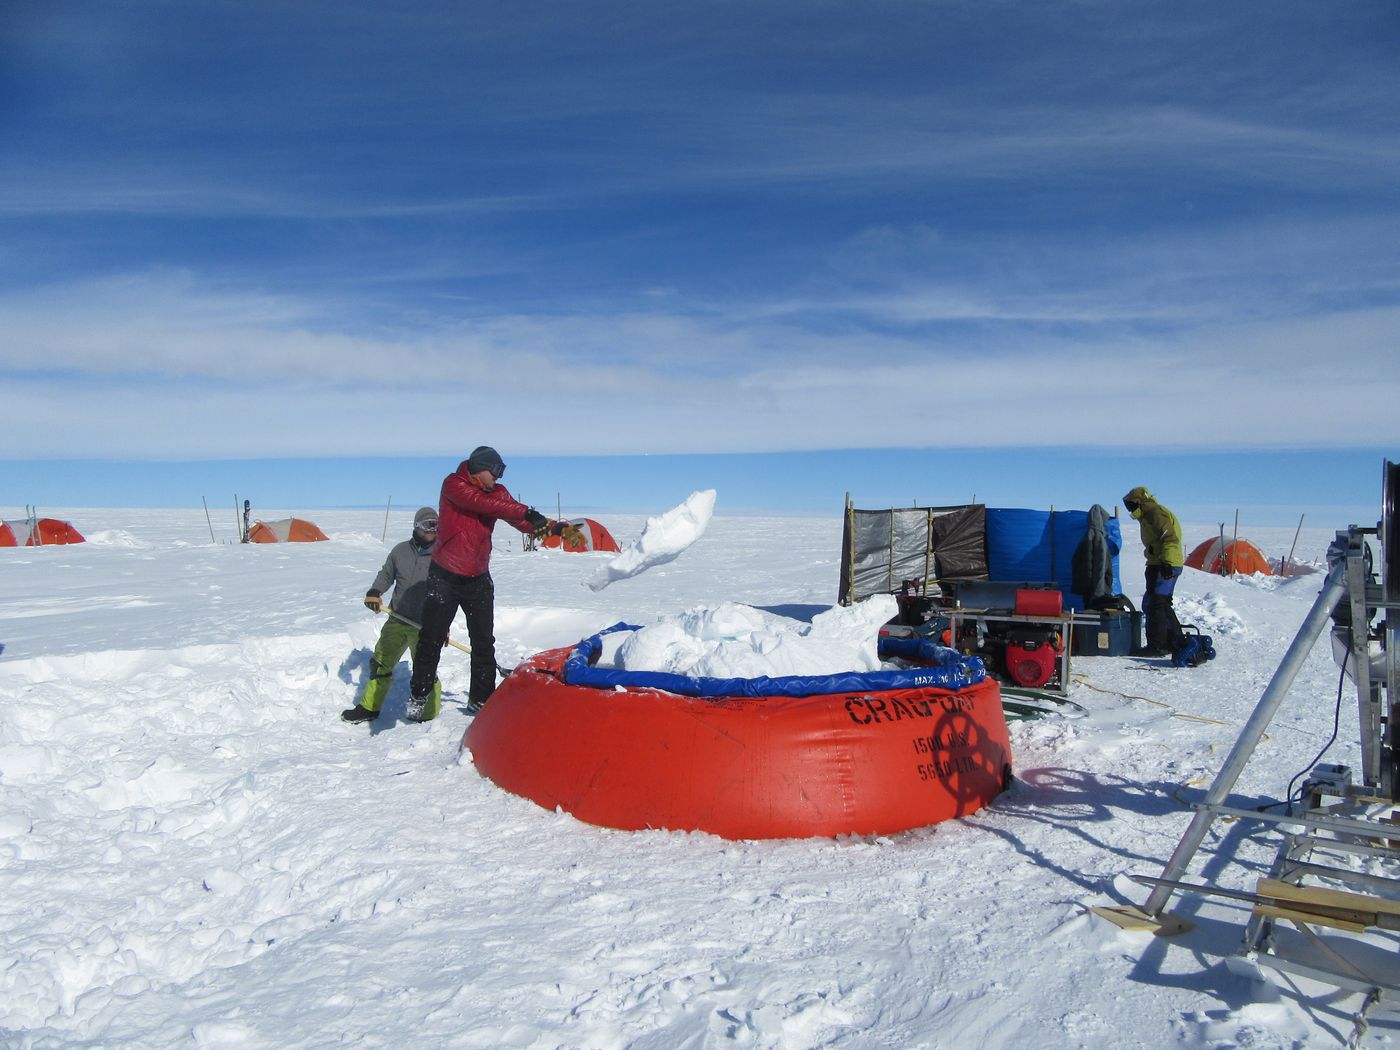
(538,523)
(572,535)
(1166,572)
(549,528)
(374,603)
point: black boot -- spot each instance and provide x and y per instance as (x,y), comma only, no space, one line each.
(359,714)
(1157,612)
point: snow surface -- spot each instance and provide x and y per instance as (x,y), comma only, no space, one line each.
(196,851)
(662,540)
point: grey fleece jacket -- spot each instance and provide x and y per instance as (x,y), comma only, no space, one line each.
(406,570)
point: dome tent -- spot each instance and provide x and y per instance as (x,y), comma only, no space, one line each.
(1225,557)
(286,530)
(595,537)
(38,532)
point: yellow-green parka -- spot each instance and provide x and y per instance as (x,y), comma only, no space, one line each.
(1161,532)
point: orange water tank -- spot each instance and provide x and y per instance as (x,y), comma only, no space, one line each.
(860,762)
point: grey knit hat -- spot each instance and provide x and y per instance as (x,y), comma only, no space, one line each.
(425,514)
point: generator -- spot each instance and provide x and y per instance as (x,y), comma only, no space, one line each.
(1023,654)
(1024,647)
(1021,646)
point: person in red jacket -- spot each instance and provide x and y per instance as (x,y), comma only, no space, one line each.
(472,502)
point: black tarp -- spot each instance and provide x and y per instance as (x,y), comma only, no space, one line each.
(960,542)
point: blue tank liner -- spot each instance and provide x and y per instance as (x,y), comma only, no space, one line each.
(949,670)
(1037,546)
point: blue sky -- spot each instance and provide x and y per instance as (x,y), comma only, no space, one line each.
(976,233)
(1332,488)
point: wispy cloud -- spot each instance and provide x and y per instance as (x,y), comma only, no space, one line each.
(214,375)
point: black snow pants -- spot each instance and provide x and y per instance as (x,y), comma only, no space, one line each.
(1163,628)
(476,597)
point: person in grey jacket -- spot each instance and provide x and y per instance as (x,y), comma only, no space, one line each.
(406,571)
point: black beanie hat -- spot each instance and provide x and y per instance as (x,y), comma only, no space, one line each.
(486,458)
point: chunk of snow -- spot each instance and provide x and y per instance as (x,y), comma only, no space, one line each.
(740,641)
(663,539)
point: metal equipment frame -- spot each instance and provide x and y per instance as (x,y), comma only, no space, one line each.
(1335,822)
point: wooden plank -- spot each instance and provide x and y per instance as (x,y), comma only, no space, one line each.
(1317,918)
(1132,918)
(1327,898)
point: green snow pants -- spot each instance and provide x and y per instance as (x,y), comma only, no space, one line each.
(395,638)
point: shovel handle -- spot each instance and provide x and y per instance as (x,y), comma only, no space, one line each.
(404,619)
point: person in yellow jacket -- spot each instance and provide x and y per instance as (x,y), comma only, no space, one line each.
(1161,547)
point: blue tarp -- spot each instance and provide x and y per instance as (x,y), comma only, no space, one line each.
(1037,546)
(949,670)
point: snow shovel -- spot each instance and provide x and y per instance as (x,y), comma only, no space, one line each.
(405,619)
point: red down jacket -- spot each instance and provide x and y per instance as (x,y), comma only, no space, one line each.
(466,516)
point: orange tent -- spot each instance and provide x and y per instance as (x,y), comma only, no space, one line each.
(1229,556)
(37,533)
(288,530)
(595,537)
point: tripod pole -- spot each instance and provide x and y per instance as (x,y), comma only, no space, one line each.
(1249,737)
